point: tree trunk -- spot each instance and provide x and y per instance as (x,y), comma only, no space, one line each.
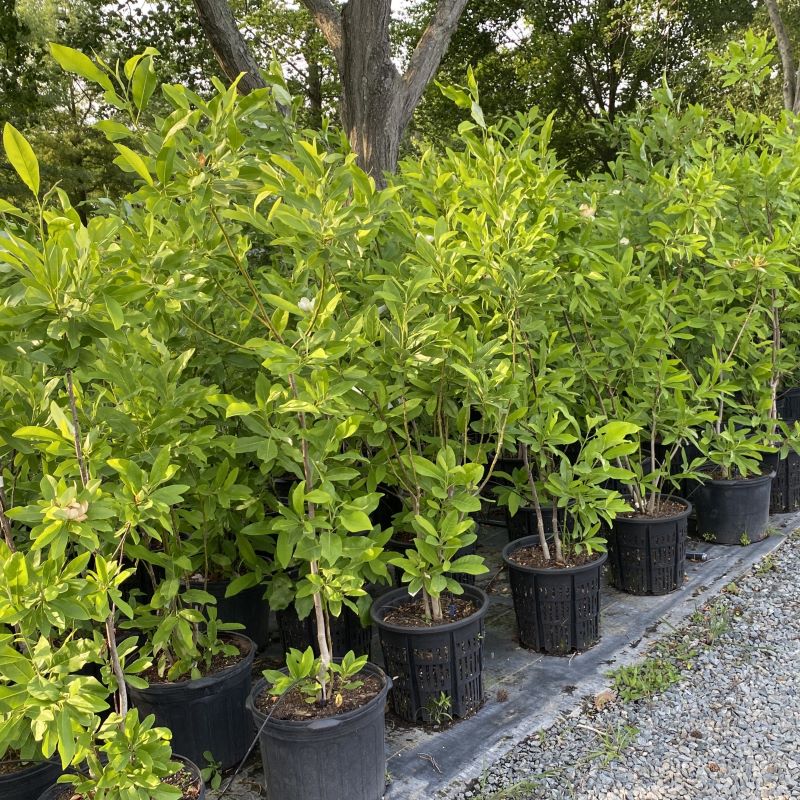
(377,101)
(370,87)
(228,44)
(791,74)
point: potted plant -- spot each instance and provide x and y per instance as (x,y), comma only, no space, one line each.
(555,575)
(128,757)
(733,503)
(424,626)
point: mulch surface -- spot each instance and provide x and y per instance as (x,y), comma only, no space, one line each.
(293,705)
(665,508)
(218,664)
(411,614)
(534,557)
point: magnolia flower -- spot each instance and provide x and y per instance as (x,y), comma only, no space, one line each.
(76,511)
(587,210)
(624,241)
(615,191)
(306,304)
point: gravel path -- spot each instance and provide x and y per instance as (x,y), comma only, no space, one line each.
(728,728)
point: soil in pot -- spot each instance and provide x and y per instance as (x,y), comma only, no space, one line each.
(431,662)
(334,753)
(188,779)
(647,551)
(207,713)
(557,608)
(733,511)
(25,780)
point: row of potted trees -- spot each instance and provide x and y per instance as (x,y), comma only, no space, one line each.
(260,383)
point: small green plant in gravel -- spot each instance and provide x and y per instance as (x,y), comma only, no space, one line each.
(639,681)
(744,540)
(767,564)
(613,741)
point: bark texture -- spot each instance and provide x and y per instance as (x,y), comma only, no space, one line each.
(791,73)
(228,44)
(377,100)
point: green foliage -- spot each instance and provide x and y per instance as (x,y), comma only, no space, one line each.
(310,677)
(641,681)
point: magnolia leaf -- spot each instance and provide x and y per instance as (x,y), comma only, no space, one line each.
(22,157)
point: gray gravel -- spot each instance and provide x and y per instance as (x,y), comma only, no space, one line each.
(730,728)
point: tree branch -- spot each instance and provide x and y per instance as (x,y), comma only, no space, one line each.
(428,54)
(229,46)
(329,21)
(785,50)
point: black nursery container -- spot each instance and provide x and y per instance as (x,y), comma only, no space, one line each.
(426,662)
(28,783)
(558,610)
(347,633)
(524,522)
(785,489)
(207,713)
(248,608)
(734,511)
(647,554)
(62,791)
(338,758)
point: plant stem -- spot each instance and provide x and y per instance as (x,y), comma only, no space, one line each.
(76,430)
(538,508)
(5,523)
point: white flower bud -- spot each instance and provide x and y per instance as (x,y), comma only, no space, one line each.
(306,304)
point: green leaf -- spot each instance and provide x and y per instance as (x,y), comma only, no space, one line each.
(356,521)
(134,162)
(22,157)
(74,61)
(115,313)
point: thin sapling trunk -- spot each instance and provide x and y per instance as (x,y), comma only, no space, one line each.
(537,506)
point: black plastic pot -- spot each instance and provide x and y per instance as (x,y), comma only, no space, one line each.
(28,783)
(426,662)
(735,511)
(788,405)
(647,554)
(248,608)
(347,632)
(62,791)
(785,489)
(204,714)
(328,759)
(524,523)
(558,610)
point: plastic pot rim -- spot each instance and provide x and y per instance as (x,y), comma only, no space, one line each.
(527,541)
(165,688)
(387,600)
(326,723)
(733,483)
(30,769)
(672,518)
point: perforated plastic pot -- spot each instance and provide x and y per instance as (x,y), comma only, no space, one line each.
(204,714)
(558,610)
(339,758)
(29,782)
(647,554)
(734,512)
(62,791)
(785,488)
(524,522)
(426,662)
(347,633)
